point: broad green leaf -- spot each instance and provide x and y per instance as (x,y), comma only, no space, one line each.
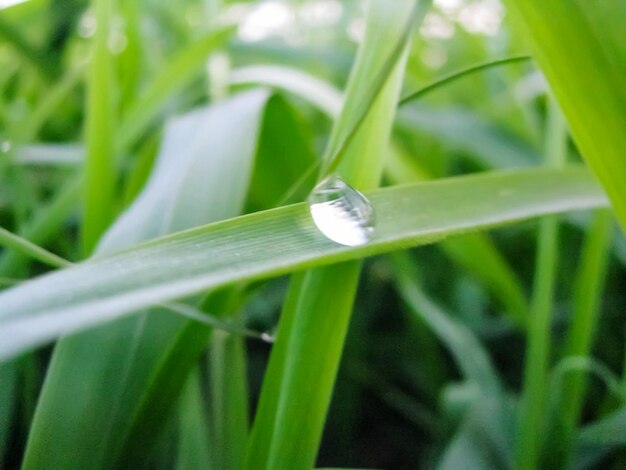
(201,175)
(589,83)
(276,242)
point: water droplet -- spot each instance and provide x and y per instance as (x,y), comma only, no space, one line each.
(341,212)
(5,146)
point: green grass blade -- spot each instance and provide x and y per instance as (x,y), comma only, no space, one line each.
(194,442)
(536,366)
(276,242)
(130,61)
(229,400)
(264,420)
(50,154)
(313,356)
(27,248)
(356,111)
(454,76)
(589,84)
(318,322)
(45,222)
(100,134)
(491,145)
(537,354)
(586,309)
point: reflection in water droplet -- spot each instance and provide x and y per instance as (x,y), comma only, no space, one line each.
(341,212)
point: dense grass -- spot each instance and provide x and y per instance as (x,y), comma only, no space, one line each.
(182,309)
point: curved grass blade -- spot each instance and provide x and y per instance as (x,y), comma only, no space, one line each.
(587,300)
(318,92)
(275,242)
(454,76)
(44,223)
(27,248)
(214,322)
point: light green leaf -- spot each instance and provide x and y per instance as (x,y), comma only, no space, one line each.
(589,84)
(275,242)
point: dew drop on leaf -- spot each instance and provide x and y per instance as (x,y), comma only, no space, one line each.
(340,212)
